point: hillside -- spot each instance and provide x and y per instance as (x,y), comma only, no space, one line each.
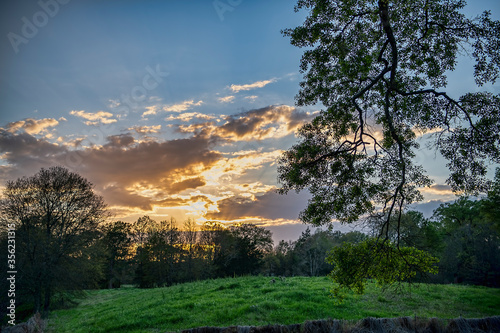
(258,301)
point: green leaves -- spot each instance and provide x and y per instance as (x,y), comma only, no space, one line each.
(375,67)
(379,260)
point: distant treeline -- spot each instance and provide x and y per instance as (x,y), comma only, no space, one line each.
(462,235)
(149,254)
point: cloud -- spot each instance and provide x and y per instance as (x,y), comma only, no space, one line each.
(227,99)
(120,141)
(188,116)
(33,126)
(269,206)
(251,98)
(187,184)
(275,121)
(438,189)
(123,169)
(188,176)
(26,154)
(101,117)
(151,110)
(186,105)
(259,84)
(146,129)
(429,207)
(179,107)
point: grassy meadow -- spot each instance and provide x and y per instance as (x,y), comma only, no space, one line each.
(257,301)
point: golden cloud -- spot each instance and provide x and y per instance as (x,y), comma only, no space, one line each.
(275,121)
(146,129)
(33,126)
(100,117)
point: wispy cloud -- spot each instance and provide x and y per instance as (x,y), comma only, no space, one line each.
(251,98)
(259,84)
(188,116)
(227,99)
(146,129)
(101,117)
(151,110)
(186,105)
(178,107)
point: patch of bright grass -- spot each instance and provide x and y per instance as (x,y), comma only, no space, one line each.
(256,301)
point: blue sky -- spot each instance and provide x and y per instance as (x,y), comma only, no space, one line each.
(171,108)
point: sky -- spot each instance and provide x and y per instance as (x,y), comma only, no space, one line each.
(170,108)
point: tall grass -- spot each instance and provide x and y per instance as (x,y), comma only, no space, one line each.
(257,301)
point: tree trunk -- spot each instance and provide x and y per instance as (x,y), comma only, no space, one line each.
(46,303)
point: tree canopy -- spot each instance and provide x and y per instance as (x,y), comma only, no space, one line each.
(56,214)
(379,69)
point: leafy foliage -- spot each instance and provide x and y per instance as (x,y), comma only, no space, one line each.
(56,215)
(471,252)
(377,67)
(382,261)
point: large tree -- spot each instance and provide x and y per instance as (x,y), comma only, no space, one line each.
(56,215)
(379,69)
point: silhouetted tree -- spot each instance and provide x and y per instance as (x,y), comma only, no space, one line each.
(56,215)
(378,68)
(117,242)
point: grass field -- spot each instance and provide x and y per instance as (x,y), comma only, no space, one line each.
(256,301)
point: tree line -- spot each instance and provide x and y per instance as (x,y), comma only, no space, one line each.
(64,243)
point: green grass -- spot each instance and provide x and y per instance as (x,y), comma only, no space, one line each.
(255,301)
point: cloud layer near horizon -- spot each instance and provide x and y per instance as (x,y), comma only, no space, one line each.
(218,167)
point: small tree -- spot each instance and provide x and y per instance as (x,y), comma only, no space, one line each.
(56,215)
